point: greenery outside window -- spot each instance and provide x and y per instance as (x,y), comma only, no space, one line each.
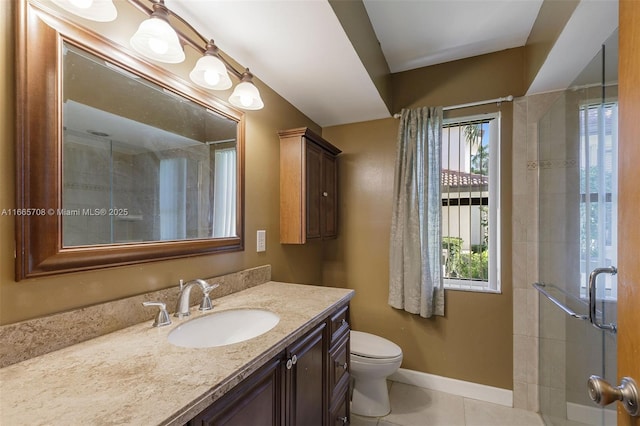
(470,200)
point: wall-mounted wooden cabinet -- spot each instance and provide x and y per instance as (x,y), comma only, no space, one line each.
(308,187)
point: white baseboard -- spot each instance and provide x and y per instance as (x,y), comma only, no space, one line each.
(590,415)
(453,386)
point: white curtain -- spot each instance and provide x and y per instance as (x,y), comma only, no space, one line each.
(173,198)
(224,193)
(415,258)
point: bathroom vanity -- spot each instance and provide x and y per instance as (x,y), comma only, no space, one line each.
(296,373)
(306,384)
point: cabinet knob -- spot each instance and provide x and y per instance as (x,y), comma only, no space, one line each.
(325,194)
(291,362)
(343,365)
(343,322)
(344,420)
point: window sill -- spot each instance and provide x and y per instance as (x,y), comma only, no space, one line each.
(461,285)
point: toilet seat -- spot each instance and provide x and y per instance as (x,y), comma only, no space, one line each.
(372,347)
(374,361)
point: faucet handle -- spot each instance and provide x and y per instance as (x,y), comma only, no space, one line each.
(206,304)
(162,318)
(207,289)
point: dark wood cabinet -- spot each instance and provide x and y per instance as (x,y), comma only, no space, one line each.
(256,401)
(339,367)
(308,187)
(305,385)
(339,414)
(306,379)
(329,207)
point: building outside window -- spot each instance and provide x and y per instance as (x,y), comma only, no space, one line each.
(598,168)
(470,202)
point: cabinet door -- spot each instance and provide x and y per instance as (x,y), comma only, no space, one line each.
(329,208)
(313,190)
(255,401)
(307,399)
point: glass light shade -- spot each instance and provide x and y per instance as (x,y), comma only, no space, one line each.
(94,10)
(156,40)
(246,96)
(211,73)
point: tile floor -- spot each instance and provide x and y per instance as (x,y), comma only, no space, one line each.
(414,406)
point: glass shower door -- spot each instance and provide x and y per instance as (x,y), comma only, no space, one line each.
(577,157)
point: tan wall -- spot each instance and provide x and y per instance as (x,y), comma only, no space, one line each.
(37,297)
(473,342)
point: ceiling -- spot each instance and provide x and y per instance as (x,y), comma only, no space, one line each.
(416,34)
(300,49)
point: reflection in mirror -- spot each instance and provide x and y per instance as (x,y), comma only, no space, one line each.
(141,163)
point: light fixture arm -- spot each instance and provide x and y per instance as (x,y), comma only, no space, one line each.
(184,39)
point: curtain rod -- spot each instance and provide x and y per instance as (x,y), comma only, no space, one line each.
(472,104)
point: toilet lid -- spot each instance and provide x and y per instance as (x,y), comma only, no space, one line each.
(372,346)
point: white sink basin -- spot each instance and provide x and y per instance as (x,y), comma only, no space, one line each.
(223,328)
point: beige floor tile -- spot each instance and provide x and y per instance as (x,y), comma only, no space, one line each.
(414,406)
(363,421)
(555,421)
(479,413)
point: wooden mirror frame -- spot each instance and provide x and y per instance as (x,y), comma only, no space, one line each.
(39,248)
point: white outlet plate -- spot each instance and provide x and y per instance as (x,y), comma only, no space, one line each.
(261,241)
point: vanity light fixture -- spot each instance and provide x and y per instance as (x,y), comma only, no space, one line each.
(159,40)
(94,10)
(246,94)
(210,72)
(156,39)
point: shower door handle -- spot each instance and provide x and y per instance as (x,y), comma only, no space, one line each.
(602,393)
(592,298)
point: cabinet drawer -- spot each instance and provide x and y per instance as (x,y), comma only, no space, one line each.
(339,365)
(339,323)
(340,415)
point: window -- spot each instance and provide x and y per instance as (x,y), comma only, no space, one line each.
(224,206)
(470,202)
(598,194)
(173,198)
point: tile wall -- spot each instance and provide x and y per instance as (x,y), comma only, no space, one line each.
(528,111)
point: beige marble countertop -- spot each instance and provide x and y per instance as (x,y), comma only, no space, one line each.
(135,376)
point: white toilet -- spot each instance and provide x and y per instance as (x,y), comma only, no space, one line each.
(373,359)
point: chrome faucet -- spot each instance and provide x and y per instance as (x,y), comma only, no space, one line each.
(182,307)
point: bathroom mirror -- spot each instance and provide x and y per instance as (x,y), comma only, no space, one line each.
(119,161)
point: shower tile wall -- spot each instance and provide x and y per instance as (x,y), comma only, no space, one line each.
(99,174)
(527,113)
(89,174)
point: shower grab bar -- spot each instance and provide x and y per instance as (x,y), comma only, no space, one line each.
(559,304)
(593,317)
